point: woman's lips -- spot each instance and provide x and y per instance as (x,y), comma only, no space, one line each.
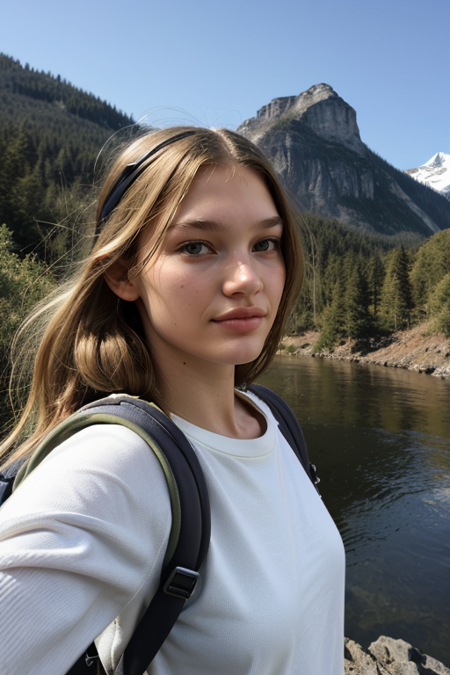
(241,320)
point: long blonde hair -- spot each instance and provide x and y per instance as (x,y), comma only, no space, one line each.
(92,343)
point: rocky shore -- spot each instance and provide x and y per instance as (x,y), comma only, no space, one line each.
(416,349)
(387,656)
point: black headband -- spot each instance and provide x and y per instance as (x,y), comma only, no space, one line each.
(129,175)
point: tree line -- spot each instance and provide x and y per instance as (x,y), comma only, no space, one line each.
(50,136)
(359,286)
(28,82)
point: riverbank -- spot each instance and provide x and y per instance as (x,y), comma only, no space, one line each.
(415,349)
(387,656)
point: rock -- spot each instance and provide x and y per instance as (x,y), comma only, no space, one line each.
(389,657)
(357,662)
(400,658)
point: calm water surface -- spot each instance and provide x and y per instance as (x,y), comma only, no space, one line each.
(381,440)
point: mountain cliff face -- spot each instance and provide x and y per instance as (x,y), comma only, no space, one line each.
(314,143)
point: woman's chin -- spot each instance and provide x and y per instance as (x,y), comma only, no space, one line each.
(244,357)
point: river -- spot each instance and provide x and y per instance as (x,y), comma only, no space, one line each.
(380,438)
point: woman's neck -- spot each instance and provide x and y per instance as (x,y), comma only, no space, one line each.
(204,394)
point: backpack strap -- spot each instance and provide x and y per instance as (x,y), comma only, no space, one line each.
(191,518)
(6,485)
(289,427)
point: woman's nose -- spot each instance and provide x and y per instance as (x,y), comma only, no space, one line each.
(242,278)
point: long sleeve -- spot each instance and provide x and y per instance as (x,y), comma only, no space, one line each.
(81,541)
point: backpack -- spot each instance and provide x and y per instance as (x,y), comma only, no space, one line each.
(191,517)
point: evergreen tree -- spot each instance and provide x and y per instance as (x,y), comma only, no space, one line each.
(375,278)
(432,263)
(396,295)
(357,318)
(440,306)
(333,320)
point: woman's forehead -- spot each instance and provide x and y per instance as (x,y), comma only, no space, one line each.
(226,189)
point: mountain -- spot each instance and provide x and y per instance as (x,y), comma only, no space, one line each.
(435,173)
(314,142)
(42,100)
(50,136)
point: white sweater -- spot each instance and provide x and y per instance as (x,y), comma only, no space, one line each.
(82,542)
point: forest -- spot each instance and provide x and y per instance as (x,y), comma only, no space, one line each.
(360,286)
(357,285)
(51,134)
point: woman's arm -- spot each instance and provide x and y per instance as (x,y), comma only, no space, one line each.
(80,540)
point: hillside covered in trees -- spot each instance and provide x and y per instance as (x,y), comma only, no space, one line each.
(50,135)
(358,286)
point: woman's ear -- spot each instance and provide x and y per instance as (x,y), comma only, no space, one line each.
(116,277)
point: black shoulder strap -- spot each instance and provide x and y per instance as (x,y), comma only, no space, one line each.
(289,427)
(6,484)
(180,572)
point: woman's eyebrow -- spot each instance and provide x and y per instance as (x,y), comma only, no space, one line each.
(218,226)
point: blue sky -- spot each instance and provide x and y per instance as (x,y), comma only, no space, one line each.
(217,63)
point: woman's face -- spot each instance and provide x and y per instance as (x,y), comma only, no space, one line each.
(212,293)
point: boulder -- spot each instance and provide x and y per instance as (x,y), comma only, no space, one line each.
(400,658)
(387,656)
(357,662)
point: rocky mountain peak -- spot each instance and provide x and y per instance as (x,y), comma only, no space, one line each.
(435,173)
(314,144)
(438,160)
(275,109)
(295,104)
(320,107)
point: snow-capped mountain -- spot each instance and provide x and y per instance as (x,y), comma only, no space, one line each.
(435,173)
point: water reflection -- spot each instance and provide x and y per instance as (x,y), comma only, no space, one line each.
(381,439)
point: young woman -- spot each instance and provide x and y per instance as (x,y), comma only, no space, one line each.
(183,298)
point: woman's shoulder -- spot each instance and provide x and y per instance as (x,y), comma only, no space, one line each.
(102,468)
(113,447)
(85,533)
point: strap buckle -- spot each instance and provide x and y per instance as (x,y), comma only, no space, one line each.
(181,583)
(313,472)
(90,660)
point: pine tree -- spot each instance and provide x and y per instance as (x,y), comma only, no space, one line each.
(432,263)
(396,295)
(357,318)
(375,278)
(333,319)
(440,306)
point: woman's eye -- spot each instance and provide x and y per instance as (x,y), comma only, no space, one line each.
(195,248)
(265,245)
